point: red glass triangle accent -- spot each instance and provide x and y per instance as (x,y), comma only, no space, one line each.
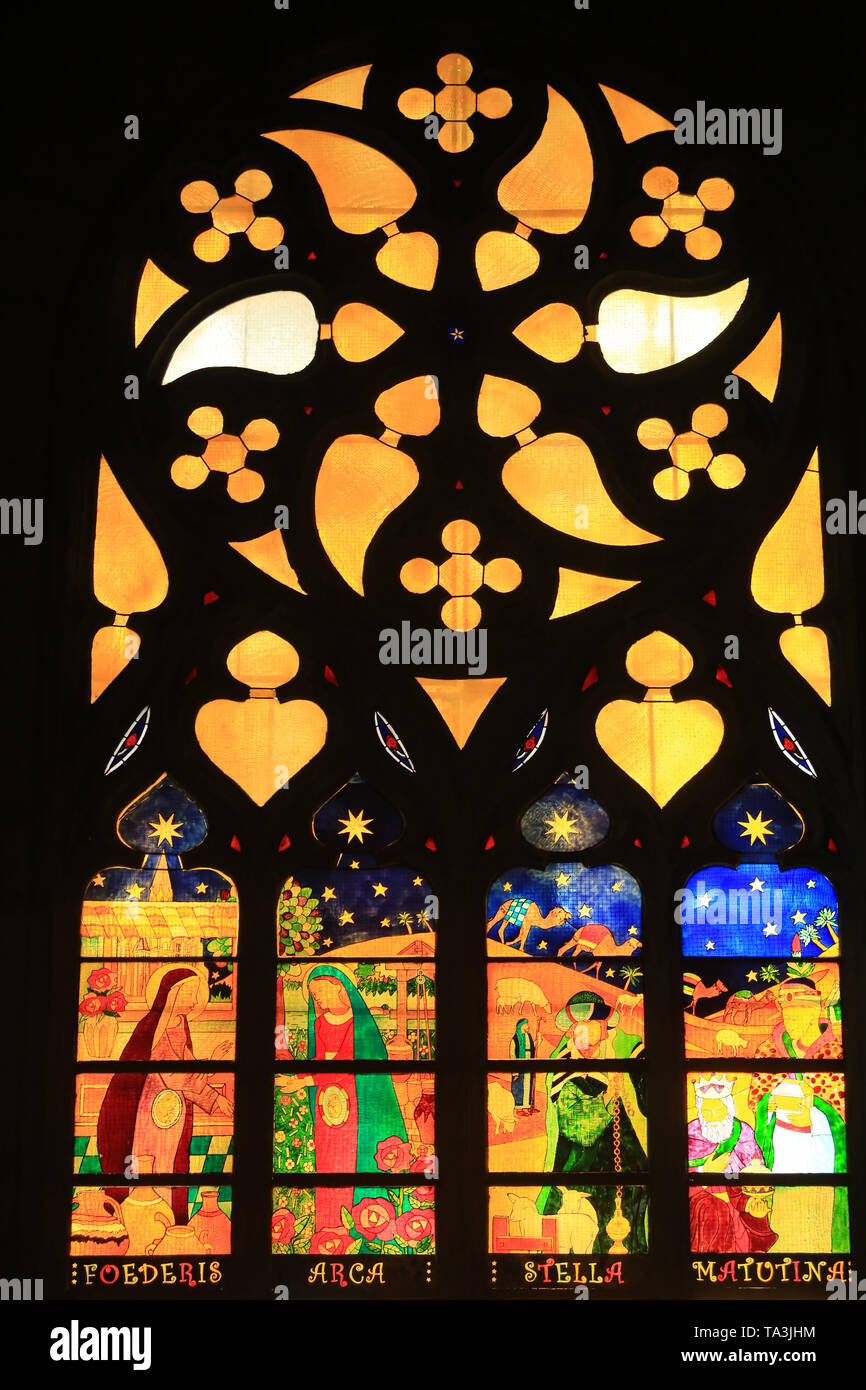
(459,486)
(430,844)
(284,843)
(831,845)
(638,844)
(311,256)
(329,676)
(602,255)
(457,183)
(684,842)
(605,410)
(710,597)
(308,410)
(490,842)
(722,675)
(591,678)
(235,843)
(191,677)
(211,597)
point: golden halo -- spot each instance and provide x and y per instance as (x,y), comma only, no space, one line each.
(151,989)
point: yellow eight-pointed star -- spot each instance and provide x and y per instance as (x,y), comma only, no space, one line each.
(756,827)
(356,827)
(165,830)
(560,827)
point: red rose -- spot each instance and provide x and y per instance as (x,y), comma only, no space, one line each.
(374,1218)
(331,1242)
(92,1004)
(426,1164)
(393,1155)
(116,1002)
(99,979)
(414,1226)
(282,1227)
(224,895)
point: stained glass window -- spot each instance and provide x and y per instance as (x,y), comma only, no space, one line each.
(457,825)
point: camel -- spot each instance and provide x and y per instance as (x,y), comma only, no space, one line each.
(701,991)
(526,914)
(597,940)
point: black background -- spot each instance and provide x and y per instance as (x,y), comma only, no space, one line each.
(83,208)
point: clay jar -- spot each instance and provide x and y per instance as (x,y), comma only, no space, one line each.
(211,1224)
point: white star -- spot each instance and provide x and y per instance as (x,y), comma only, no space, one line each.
(710,946)
(756,885)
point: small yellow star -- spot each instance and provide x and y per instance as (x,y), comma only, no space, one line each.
(356,827)
(618,886)
(354,864)
(135,890)
(328,895)
(327,941)
(560,827)
(562,880)
(756,827)
(798,917)
(632,931)
(506,887)
(165,830)
(608,974)
(202,888)
(386,921)
(346,918)
(379,890)
(99,879)
(810,884)
(584,910)
(751,976)
(710,946)
(418,882)
(757,885)
(542,945)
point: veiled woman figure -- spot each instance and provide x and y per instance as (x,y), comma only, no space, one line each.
(351,1112)
(152,1113)
(522,1048)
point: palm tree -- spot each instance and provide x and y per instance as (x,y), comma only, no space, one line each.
(770,974)
(630,974)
